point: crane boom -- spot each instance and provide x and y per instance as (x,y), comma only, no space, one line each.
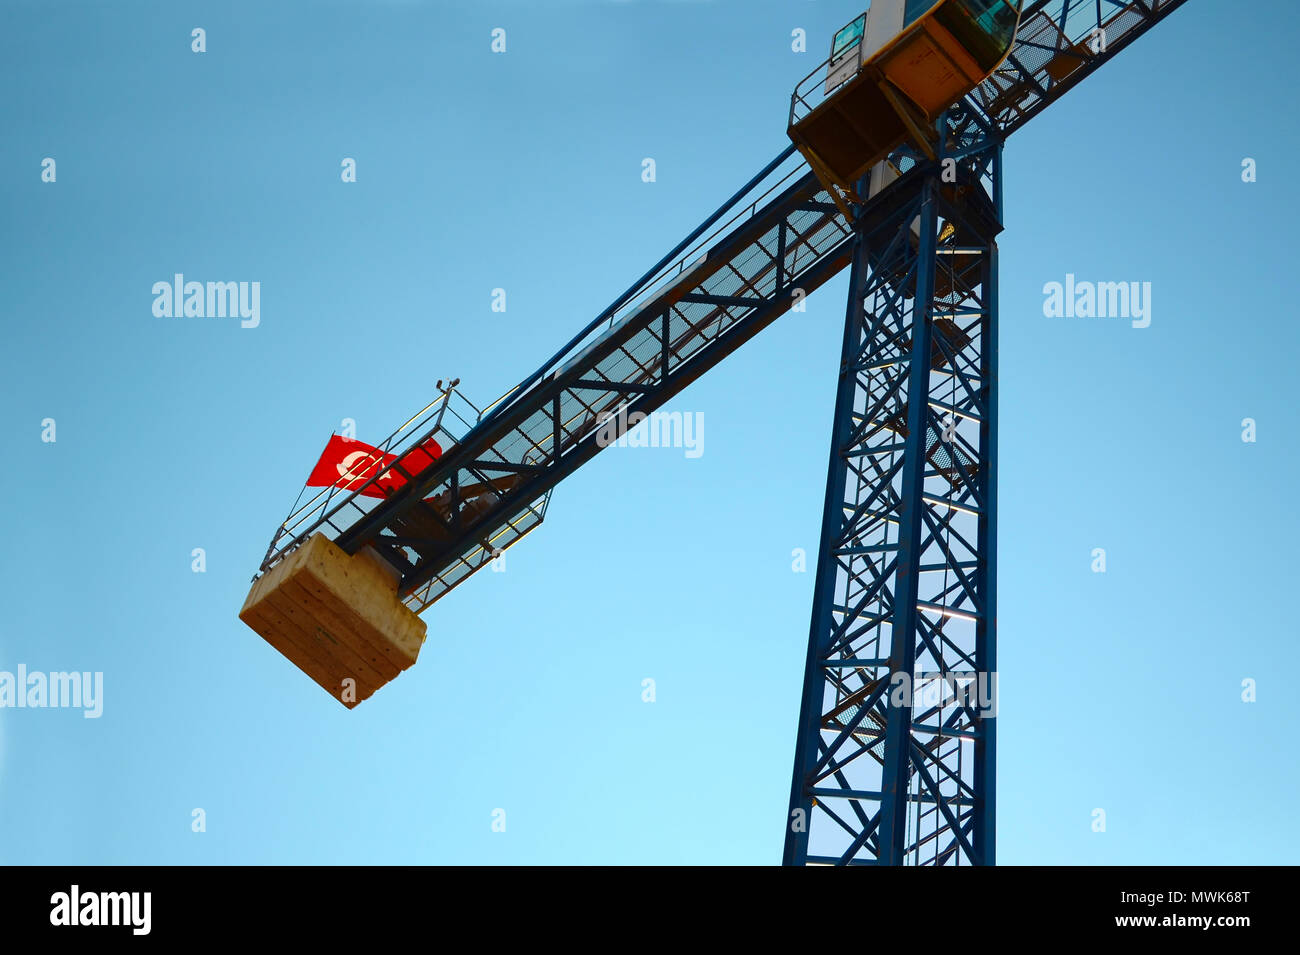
(782,236)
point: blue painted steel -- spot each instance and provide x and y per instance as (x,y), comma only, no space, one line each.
(902,656)
(986,649)
(906,585)
(796,846)
(903,581)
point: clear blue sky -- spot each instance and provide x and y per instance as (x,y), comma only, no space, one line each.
(523,171)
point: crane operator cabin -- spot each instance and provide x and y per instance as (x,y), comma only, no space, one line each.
(891,74)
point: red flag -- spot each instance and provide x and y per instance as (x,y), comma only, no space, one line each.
(349,463)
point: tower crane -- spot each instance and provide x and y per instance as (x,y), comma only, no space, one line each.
(893,171)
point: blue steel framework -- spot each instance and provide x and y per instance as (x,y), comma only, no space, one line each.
(908,542)
(895,754)
(892,767)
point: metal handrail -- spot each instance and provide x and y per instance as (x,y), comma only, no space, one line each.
(820,73)
(412,433)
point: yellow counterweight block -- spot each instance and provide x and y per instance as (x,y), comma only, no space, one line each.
(337,617)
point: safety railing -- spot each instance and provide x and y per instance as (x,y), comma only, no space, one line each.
(828,76)
(331,510)
(1058,43)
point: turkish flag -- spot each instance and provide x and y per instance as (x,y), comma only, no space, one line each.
(349,463)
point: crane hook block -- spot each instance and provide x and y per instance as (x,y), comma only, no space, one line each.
(337,617)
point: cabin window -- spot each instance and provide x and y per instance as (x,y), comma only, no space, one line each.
(848,37)
(915,9)
(984,28)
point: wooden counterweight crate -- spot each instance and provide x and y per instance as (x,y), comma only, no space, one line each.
(336,617)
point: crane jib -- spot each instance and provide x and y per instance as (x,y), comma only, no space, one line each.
(343,579)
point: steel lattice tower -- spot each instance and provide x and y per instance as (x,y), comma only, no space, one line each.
(905,592)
